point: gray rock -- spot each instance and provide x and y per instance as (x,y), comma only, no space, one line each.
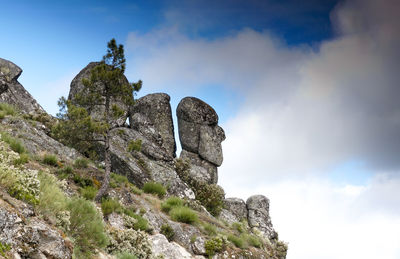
(192,109)
(258,215)
(161,247)
(237,207)
(210,148)
(97,111)
(198,246)
(12,92)
(157,109)
(9,70)
(228,217)
(200,169)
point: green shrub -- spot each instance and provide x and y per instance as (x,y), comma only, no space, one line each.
(82,181)
(168,232)
(23,159)
(86,228)
(213,246)
(135,145)
(210,229)
(155,188)
(141,224)
(50,160)
(65,172)
(2,115)
(118,180)
(8,109)
(109,206)
(239,227)
(4,248)
(184,215)
(254,241)
(81,163)
(238,241)
(15,144)
(52,199)
(125,255)
(211,196)
(171,202)
(135,190)
(88,192)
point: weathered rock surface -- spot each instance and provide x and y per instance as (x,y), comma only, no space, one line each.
(157,121)
(30,237)
(200,169)
(98,111)
(36,141)
(148,165)
(237,207)
(12,92)
(161,246)
(258,215)
(201,138)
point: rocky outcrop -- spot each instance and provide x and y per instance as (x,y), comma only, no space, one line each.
(12,92)
(258,216)
(97,111)
(200,137)
(161,247)
(28,236)
(152,117)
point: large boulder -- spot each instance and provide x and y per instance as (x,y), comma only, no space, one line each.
(12,92)
(98,110)
(151,116)
(258,216)
(237,207)
(200,138)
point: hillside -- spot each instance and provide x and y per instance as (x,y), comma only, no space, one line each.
(157,206)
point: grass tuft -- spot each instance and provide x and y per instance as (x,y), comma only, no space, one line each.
(184,215)
(155,188)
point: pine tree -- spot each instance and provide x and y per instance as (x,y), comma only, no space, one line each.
(105,88)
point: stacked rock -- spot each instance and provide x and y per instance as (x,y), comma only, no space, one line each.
(201,138)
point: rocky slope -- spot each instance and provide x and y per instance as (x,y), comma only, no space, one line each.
(30,228)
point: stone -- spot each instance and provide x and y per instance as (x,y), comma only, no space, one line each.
(200,169)
(227,216)
(210,148)
(9,70)
(157,109)
(161,247)
(258,216)
(12,92)
(237,207)
(198,246)
(98,111)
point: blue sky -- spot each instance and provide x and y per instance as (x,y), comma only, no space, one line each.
(307,92)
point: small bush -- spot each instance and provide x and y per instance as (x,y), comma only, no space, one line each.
(168,232)
(171,202)
(213,246)
(109,206)
(4,248)
(141,224)
(254,241)
(65,172)
(86,228)
(211,230)
(125,255)
(81,163)
(88,192)
(239,227)
(15,144)
(155,188)
(135,190)
(211,196)
(135,145)
(8,109)
(239,242)
(184,215)
(2,115)
(50,160)
(118,180)
(82,181)
(23,159)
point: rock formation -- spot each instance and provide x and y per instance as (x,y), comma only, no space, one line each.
(200,138)
(12,92)
(150,121)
